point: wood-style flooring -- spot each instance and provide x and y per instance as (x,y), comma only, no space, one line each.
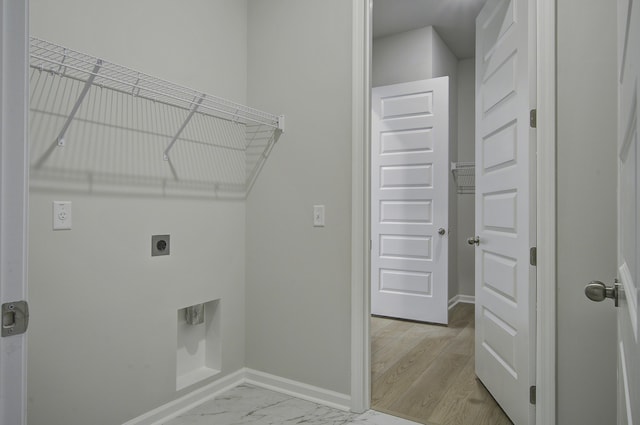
(425,373)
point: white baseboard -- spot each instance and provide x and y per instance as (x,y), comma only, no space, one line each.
(468,299)
(298,389)
(187,402)
(249,376)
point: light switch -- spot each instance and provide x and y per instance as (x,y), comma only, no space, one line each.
(318,215)
(61,215)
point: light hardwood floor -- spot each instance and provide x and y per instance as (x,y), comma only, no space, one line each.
(425,372)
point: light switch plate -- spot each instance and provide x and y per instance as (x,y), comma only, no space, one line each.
(318,215)
(61,215)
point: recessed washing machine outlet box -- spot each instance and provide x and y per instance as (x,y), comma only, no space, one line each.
(160,245)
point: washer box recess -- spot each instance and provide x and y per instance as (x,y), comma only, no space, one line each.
(160,245)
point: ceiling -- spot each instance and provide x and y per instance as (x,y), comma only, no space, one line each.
(453,20)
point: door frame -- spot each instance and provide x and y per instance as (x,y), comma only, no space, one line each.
(546,223)
(14,198)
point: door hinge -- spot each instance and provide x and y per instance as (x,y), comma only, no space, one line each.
(533,118)
(533,256)
(370,244)
(15,318)
(532,394)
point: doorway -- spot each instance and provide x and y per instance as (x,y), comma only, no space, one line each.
(505,7)
(420,370)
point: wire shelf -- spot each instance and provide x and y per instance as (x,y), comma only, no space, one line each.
(90,103)
(464,174)
(65,62)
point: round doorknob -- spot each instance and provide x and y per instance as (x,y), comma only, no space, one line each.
(442,231)
(598,291)
(473,241)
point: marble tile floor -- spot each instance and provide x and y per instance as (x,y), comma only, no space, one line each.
(250,405)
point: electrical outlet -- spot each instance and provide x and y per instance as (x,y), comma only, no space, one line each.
(61,215)
(160,245)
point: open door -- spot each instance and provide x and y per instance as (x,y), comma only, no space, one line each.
(410,200)
(625,291)
(505,205)
(628,213)
(14,170)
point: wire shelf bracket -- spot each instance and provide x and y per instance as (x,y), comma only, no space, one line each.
(59,141)
(195,107)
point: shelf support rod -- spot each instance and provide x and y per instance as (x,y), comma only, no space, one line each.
(83,93)
(194,108)
(59,141)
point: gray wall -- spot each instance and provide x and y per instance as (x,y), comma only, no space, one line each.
(445,63)
(102,339)
(466,152)
(298,276)
(586,197)
(403,57)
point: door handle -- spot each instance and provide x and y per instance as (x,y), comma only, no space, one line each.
(473,241)
(598,291)
(442,231)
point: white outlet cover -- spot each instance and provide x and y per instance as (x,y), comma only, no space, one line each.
(61,215)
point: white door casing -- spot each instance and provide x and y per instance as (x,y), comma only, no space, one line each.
(505,204)
(14,170)
(628,154)
(409,200)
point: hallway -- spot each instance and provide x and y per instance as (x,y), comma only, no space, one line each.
(425,373)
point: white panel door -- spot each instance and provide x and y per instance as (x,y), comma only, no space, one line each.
(409,200)
(628,212)
(505,205)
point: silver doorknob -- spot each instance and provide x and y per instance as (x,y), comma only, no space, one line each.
(441,231)
(473,241)
(598,291)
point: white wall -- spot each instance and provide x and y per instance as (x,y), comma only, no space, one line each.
(466,153)
(102,337)
(298,276)
(586,214)
(402,57)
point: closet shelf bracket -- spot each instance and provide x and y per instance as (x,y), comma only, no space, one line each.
(59,141)
(193,110)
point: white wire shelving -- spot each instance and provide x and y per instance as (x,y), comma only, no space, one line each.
(464,175)
(87,76)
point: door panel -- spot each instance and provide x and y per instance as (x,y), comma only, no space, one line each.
(505,206)
(409,200)
(628,212)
